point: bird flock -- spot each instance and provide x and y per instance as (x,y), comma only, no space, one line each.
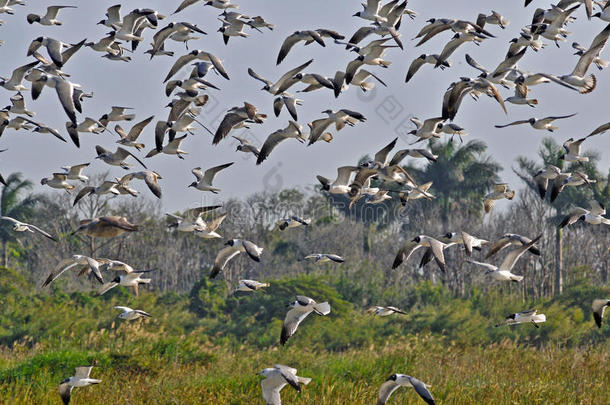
(190,84)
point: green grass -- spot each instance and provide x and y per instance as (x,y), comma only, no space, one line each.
(174,372)
(208,346)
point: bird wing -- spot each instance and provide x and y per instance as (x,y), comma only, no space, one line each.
(317,128)
(107,287)
(255,75)
(184,5)
(600,130)
(488,266)
(335,258)
(222,258)
(252,250)
(153,184)
(180,62)
(119,222)
(289,75)
(344,173)
(470,60)
(209,174)
(382,155)
(137,129)
(213,224)
(122,154)
(467,239)
(293,318)
(421,389)
(124,309)
(65,91)
(13,220)
(65,390)
(405,251)
(386,389)
(61,267)
(85,191)
(437,250)
(287,45)
(198,173)
(270,143)
(598,307)
(227,123)
(414,67)
(597,208)
(496,247)
(40,231)
(512,257)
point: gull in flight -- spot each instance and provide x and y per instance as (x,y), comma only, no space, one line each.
(50,18)
(593,216)
(250,285)
(523,317)
(509,239)
(191,220)
(503,273)
(410,246)
(542,123)
(299,310)
(384,311)
(324,258)
(106,227)
(499,192)
(131,314)
(84,265)
(205,179)
(293,222)
(235,247)
(79,379)
(276,378)
(19,226)
(132,279)
(397,380)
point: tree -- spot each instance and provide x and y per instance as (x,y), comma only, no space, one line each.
(12,205)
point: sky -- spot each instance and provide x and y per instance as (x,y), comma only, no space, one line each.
(138,84)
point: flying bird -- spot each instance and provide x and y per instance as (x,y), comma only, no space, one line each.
(250,285)
(235,247)
(500,191)
(131,314)
(539,123)
(50,18)
(132,279)
(503,273)
(19,226)
(79,379)
(397,380)
(204,180)
(299,310)
(276,378)
(531,316)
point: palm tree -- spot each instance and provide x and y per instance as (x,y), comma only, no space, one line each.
(12,205)
(461,175)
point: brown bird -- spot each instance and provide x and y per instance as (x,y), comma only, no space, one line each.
(106,227)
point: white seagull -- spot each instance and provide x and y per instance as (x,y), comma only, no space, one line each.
(300,308)
(276,378)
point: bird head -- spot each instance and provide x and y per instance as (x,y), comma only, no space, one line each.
(193,184)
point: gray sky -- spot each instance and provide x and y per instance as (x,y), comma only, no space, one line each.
(138,84)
